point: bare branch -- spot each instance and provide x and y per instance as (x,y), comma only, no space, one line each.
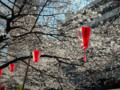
(5,5)
(39,14)
(3,17)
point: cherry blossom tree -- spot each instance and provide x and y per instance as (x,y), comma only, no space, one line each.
(35,25)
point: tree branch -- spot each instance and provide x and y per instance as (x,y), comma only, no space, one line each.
(42,34)
(21,8)
(26,57)
(3,17)
(38,15)
(5,5)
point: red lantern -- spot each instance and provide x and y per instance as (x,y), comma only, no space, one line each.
(83,35)
(2,87)
(1,72)
(12,67)
(36,55)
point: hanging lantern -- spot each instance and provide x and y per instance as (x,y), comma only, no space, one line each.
(1,72)
(12,67)
(84,34)
(2,87)
(36,55)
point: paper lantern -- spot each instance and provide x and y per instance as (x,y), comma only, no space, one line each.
(12,67)
(1,72)
(36,55)
(84,34)
(2,87)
